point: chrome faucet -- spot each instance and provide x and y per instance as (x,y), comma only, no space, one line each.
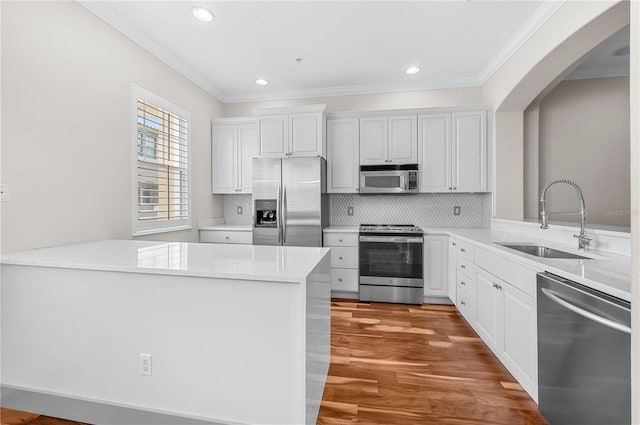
(583,240)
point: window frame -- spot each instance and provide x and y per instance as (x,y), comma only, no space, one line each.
(138,227)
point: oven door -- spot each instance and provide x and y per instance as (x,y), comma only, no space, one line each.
(395,260)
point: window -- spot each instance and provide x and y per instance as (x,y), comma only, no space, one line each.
(162,179)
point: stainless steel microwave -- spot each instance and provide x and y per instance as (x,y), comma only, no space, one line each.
(389,178)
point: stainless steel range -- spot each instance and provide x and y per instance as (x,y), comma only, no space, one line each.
(390,259)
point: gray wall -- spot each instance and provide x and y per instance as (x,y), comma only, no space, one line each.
(583,131)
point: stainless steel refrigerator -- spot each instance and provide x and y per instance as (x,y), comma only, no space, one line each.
(290,203)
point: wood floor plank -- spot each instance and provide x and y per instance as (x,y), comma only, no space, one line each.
(429,365)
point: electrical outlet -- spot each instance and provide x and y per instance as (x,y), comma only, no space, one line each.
(4,192)
(145,364)
(456,210)
(239,210)
(349,210)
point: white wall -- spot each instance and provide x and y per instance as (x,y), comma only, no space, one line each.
(584,137)
(66,144)
(372,102)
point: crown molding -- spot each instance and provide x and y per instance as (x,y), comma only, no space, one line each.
(102,10)
(355,90)
(539,18)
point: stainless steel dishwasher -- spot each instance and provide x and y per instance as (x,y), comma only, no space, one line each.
(584,354)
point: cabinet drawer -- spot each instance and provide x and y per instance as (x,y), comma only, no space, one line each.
(464,250)
(222,236)
(465,283)
(466,305)
(340,239)
(465,266)
(344,257)
(344,279)
(516,274)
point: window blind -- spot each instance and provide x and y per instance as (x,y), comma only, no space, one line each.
(162,170)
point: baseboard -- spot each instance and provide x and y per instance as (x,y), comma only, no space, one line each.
(345,294)
(437,300)
(87,411)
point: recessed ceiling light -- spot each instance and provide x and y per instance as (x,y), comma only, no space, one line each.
(412,70)
(261,82)
(202,14)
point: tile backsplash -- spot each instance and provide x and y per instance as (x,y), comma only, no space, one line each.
(425,209)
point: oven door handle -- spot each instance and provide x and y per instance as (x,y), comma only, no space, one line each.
(391,239)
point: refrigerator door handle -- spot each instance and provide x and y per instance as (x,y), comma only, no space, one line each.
(284,215)
(278,215)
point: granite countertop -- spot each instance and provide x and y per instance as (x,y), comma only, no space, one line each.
(248,262)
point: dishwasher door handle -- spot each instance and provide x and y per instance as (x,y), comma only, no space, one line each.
(584,313)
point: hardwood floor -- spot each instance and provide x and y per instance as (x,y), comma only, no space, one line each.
(401,364)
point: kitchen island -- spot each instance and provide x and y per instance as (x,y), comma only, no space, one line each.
(236,333)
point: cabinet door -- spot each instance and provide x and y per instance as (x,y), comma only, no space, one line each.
(248,146)
(452,264)
(403,139)
(520,337)
(434,148)
(274,136)
(224,159)
(489,311)
(343,160)
(306,135)
(469,151)
(373,141)
(435,266)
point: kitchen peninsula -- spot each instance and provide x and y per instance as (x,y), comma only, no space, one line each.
(235,333)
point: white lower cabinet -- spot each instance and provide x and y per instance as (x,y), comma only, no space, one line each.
(435,265)
(344,263)
(497,297)
(226,236)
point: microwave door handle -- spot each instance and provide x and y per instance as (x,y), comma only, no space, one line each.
(403,181)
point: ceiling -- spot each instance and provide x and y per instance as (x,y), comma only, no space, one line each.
(325,48)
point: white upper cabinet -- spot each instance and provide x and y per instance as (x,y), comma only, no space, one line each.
(233,147)
(388,140)
(469,151)
(298,131)
(453,152)
(342,155)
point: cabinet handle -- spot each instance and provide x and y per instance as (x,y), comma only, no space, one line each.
(339,279)
(339,258)
(462,283)
(462,250)
(226,237)
(499,287)
(453,243)
(339,240)
(454,188)
(450,188)
(463,303)
(462,266)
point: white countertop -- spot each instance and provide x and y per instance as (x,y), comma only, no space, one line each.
(250,262)
(228,227)
(605,272)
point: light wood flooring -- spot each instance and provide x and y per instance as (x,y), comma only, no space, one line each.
(401,364)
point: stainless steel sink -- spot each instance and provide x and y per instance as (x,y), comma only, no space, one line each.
(543,251)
